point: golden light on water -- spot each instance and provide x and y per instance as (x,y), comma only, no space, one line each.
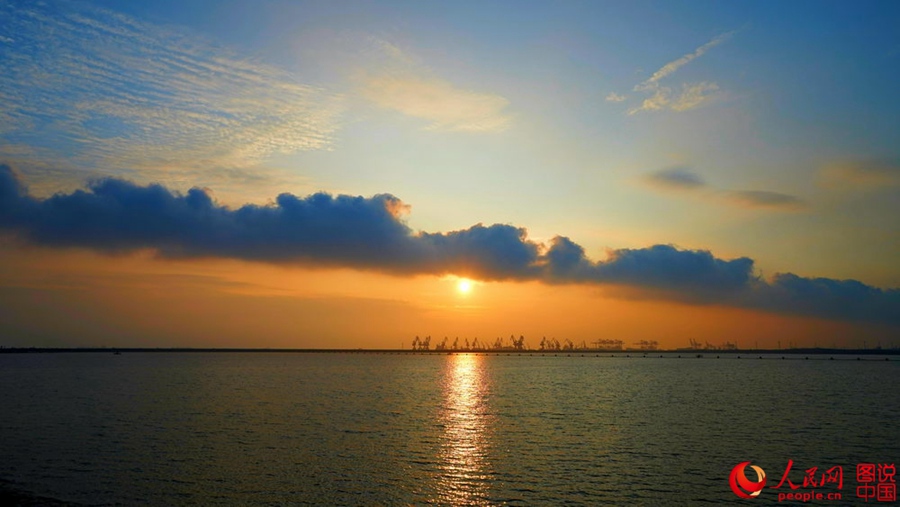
(464,463)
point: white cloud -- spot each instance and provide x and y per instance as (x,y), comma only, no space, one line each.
(661,99)
(615,97)
(691,96)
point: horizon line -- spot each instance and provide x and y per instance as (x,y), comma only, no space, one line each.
(597,352)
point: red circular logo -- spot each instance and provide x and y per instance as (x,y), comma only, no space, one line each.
(744,487)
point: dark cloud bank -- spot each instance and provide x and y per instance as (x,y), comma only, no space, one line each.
(368,233)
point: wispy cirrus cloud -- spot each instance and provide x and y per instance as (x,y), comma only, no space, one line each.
(444,105)
(694,95)
(94,90)
(117,216)
(664,98)
(671,67)
(400,83)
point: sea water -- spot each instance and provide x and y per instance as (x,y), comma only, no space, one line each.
(445,429)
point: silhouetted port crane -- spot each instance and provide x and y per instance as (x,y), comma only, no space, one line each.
(609,344)
(520,343)
(647,345)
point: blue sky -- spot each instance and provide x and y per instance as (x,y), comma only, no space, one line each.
(765,130)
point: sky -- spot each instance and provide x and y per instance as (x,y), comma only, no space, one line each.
(354,174)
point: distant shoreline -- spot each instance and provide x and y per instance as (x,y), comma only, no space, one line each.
(604,352)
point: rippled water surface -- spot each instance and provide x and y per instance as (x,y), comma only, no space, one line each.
(378,429)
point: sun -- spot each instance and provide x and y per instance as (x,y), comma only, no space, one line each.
(464,286)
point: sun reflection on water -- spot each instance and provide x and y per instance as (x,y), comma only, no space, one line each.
(464,461)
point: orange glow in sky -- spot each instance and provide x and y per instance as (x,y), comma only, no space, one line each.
(297,177)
